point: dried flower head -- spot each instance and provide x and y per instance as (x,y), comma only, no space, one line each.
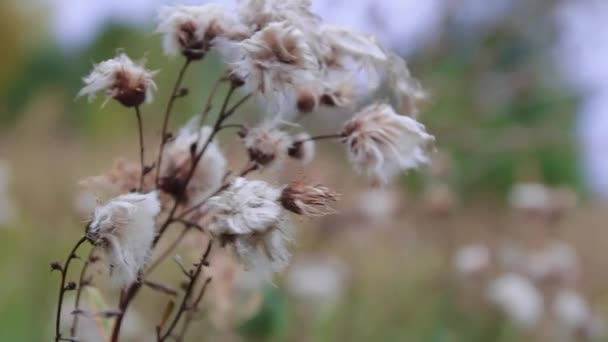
(309,200)
(249,217)
(191,30)
(302,148)
(128,82)
(177,161)
(266,144)
(339,45)
(274,63)
(383,143)
(257,14)
(306,101)
(121,178)
(124,228)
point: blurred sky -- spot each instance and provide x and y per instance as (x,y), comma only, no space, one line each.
(581,50)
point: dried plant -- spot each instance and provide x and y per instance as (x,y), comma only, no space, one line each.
(280,53)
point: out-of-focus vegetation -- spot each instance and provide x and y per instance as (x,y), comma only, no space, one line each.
(498,111)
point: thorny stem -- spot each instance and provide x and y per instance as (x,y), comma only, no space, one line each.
(141,148)
(81,284)
(194,275)
(133,289)
(62,288)
(174,96)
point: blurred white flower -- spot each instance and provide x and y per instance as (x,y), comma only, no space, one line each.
(249,217)
(177,162)
(518,298)
(191,30)
(128,82)
(266,144)
(556,261)
(316,279)
(472,259)
(378,205)
(124,228)
(529,196)
(382,143)
(571,309)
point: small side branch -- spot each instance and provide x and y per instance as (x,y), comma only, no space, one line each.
(82,282)
(63,287)
(184,306)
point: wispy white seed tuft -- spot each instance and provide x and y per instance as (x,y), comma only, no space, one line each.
(124,228)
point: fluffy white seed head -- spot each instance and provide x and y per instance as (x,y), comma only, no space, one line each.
(518,298)
(177,161)
(124,228)
(406,89)
(249,217)
(122,79)
(382,143)
(191,30)
(274,63)
(302,148)
(267,145)
(257,14)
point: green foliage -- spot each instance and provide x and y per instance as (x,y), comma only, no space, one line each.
(271,319)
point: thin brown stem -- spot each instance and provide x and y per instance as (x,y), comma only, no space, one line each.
(239,126)
(220,119)
(141,149)
(81,284)
(238,104)
(174,96)
(248,169)
(320,137)
(208,104)
(168,251)
(62,288)
(184,304)
(193,309)
(132,291)
(127,296)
